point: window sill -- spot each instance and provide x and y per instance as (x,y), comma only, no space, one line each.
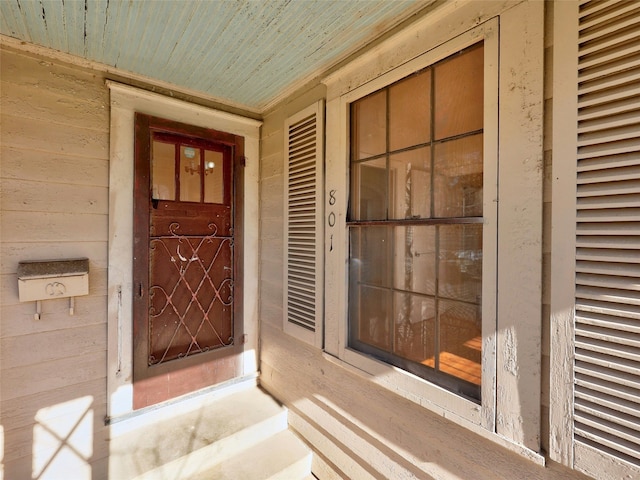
(386,380)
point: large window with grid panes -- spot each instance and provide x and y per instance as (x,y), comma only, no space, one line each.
(415,223)
(433,208)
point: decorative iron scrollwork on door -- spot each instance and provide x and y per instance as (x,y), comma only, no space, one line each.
(191,312)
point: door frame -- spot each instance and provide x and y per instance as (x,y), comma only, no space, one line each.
(125,102)
(161,382)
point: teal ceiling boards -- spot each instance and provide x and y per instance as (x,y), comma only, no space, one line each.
(243,52)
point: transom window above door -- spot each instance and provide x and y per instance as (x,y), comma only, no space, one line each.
(188,170)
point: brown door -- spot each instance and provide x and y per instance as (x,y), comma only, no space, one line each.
(187,251)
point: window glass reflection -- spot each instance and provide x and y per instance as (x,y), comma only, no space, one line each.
(458,178)
(213,177)
(163,166)
(370,126)
(369,190)
(410,184)
(410,111)
(190,173)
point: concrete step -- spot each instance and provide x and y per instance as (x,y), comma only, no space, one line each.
(180,445)
(281,457)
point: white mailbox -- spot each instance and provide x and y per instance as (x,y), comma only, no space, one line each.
(44,280)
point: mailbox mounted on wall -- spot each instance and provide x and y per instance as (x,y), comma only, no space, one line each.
(51,279)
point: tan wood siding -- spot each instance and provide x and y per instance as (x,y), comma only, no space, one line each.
(54,204)
(607,336)
(369,432)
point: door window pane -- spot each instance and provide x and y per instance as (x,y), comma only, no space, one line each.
(213,177)
(410,111)
(458,97)
(458,177)
(190,170)
(163,171)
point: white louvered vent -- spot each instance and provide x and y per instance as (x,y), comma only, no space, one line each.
(303,282)
(607,330)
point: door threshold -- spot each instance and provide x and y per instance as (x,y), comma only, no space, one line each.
(180,405)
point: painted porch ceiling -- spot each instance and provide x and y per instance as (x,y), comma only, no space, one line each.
(245,53)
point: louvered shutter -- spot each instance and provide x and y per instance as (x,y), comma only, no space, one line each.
(303,282)
(607,323)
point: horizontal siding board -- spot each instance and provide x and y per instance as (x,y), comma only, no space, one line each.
(20,412)
(58,373)
(53,227)
(42,347)
(20,442)
(61,109)
(21,195)
(87,88)
(44,136)
(38,166)
(18,319)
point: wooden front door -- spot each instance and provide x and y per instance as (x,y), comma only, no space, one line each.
(187,331)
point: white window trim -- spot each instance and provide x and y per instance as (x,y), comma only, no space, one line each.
(509,414)
(481,415)
(563,230)
(125,102)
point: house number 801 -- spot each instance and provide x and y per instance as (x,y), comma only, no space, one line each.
(331,219)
